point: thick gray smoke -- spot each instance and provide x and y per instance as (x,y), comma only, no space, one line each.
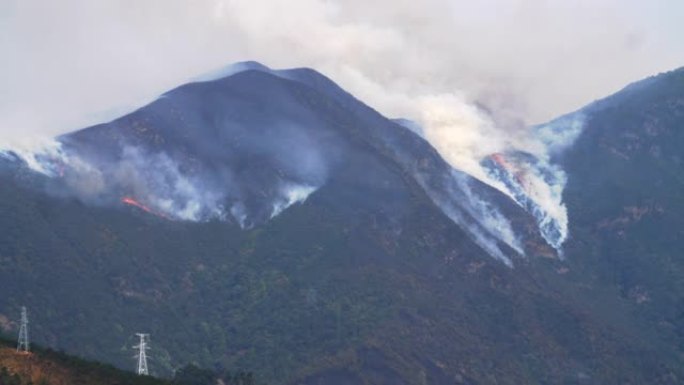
(483,221)
(155,183)
(74,63)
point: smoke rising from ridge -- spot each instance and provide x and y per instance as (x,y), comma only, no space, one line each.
(471,74)
(286,167)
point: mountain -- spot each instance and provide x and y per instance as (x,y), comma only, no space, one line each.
(269,221)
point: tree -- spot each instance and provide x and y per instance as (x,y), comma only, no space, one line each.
(193,375)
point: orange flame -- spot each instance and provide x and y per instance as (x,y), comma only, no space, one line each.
(501,160)
(132,202)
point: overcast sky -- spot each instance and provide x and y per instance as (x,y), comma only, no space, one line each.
(70,63)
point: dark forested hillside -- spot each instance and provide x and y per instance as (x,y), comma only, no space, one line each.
(48,367)
(626,201)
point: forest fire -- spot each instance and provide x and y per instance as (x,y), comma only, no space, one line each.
(132,202)
(499,159)
(502,162)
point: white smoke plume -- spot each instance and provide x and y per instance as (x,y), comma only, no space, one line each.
(154,182)
(291,194)
(493,225)
(157,180)
(152,179)
(41,154)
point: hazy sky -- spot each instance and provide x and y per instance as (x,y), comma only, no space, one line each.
(70,63)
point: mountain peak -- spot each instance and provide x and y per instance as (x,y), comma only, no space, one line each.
(232,69)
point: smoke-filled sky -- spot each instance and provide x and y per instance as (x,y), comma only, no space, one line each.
(70,63)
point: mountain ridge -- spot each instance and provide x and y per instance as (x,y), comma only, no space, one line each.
(393,141)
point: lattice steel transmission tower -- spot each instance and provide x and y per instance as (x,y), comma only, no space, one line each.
(142,354)
(23,343)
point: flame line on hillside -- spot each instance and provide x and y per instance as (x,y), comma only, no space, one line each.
(132,202)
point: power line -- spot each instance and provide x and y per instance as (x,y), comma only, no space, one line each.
(23,343)
(142,354)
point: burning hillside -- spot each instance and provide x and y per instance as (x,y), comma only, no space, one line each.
(132,202)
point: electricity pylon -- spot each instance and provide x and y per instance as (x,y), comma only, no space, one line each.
(142,354)
(23,343)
